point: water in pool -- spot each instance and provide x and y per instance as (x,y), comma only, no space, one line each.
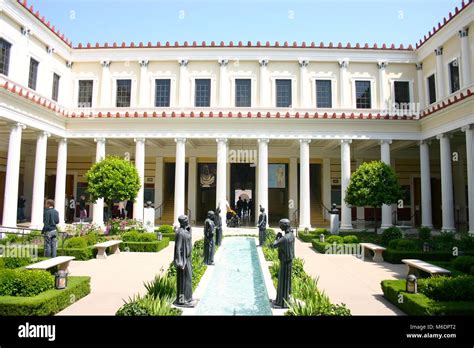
(237,286)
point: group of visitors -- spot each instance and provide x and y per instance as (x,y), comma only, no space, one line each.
(245,208)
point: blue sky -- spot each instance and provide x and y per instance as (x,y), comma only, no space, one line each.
(379,21)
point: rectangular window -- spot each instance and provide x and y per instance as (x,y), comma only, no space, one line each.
(124,93)
(202,97)
(323,94)
(33,74)
(363,95)
(402,94)
(283,93)
(85,93)
(432,89)
(4,56)
(243,92)
(55,93)
(162,92)
(454,76)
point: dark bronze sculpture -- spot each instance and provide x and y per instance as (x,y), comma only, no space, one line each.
(183,261)
(218,222)
(262,226)
(209,231)
(286,253)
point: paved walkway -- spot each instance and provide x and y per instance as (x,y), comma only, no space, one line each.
(347,279)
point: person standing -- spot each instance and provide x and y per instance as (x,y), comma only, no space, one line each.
(21,208)
(71,211)
(50,220)
(82,208)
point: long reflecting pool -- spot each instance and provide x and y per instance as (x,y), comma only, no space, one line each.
(236,286)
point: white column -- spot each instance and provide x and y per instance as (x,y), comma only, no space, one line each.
(221,184)
(12,176)
(192,187)
(465,58)
(360,210)
(28,177)
(39,181)
(179,183)
(305,213)
(293,187)
(159,173)
(382,96)
(105,85)
(460,187)
(425,178)
(326,187)
(343,93)
(302,84)
(385,158)
(224,90)
(140,165)
(346,214)
(264,91)
(143,91)
(183,87)
(441,85)
(470,174)
(98,208)
(262,187)
(420,82)
(61,171)
(447,201)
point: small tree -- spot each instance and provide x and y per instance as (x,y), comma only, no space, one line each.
(114,179)
(373,184)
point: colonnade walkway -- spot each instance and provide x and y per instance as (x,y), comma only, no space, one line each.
(344,278)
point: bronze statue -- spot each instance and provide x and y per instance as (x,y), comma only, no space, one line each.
(183,261)
(286,253)
(218,222)
(209,231)
(262,226)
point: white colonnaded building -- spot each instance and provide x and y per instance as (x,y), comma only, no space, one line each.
(206,122)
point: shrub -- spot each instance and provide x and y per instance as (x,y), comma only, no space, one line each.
(319,231)
(350,239)
(148,306)
(307,238)
(162,286)
(466,242)
(25,283)
(270,254)
(147,237)
(391,233)
(49,302)
(447,288)
(402,244)
(166,229)
(424,233)
(270,236)
(91,238)
(131,236)
(75,243)
(150,247)
(464,264)
(334,239)
(444,241)
(16,262)
(319,246)
(396,256)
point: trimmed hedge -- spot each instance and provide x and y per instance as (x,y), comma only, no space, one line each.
(396,256)
(80,254)
(47,303)
(307,238)
(170,236)
(419,304)
(24,283)
(149,247)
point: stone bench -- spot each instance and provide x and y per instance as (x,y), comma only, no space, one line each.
(415,265)
(61,261)
(101,247)
(377,249)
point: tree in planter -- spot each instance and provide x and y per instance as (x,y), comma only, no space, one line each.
(373,184)
(114,179)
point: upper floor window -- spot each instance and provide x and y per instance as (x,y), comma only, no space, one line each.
(402,94)
(243,92)
(454,76)
(33,73)
(4,56)
(323,94)
(85,93)
(363,95)
(55,92)
(283,93)
(432,89)
(162,92)
(202,95)
(124,93)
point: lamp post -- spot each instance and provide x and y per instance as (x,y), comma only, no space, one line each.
(322,238)
(412,284)
(60,280)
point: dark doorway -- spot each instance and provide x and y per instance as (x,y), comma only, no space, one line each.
(206,189)
(242,177)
